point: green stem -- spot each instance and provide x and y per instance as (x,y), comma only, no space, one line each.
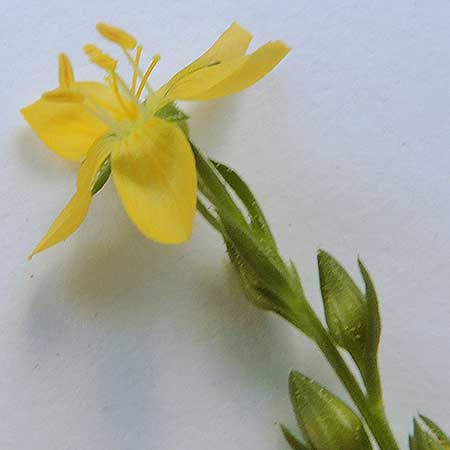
(370,406)
(373,414)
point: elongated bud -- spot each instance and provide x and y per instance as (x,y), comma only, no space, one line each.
(65,71)
(423,440)
(436,439)
(100,58)
(258,268)
(326,421)
(63,95)
(345,307)
(117,35)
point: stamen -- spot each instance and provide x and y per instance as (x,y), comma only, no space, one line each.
(136,68)
(101,114)
(116,35)
(63,95)
(100,58)
(66,77)
(115,88)
(152,65)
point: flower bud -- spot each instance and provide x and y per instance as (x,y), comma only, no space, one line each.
(326,421)
(345,308)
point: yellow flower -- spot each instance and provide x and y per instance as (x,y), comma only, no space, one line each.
(151,159)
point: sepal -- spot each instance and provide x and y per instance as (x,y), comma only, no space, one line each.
(294,443)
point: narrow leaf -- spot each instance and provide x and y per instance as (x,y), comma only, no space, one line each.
(257,219)
(214,189)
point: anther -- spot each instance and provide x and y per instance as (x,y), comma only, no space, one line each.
(100,58)
(116,35)
(66,77)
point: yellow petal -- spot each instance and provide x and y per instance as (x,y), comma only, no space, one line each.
(154,172)
(68,128)
(231,76)
(231,44)
(75,211)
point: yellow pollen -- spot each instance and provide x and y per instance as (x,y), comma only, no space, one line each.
(100,58)
(66,77)
(136,68)
(116,35)
(63,95)
(152,65)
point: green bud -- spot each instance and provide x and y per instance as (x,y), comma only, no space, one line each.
(255,263)
(422,440)
(326,421)
(439,435)
(345,307)
(294,443)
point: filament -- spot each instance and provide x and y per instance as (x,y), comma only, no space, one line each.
(152,65)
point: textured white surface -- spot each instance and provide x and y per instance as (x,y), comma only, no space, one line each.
(110,341)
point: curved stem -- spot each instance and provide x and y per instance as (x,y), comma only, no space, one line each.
(374,415)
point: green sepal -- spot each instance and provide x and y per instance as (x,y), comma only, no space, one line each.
(345,308)
(424,440)
(442,438)
(326,421)
(102,175)
(373,332)
(172,113)
(294,443)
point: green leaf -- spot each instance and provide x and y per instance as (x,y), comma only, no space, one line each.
(373,319)
(292,440)
(443,439)
(211,185)
(345,308)
(102,176)
(258,221)
(326,421)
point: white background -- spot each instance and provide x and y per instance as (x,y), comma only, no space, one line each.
(110,341)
